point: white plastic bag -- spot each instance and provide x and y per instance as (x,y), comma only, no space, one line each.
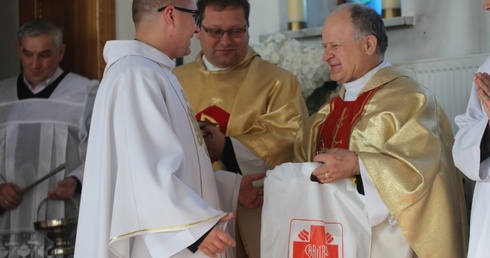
(301,218)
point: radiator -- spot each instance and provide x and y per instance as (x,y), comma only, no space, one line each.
(449,79)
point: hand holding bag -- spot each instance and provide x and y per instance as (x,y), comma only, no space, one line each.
(301,218)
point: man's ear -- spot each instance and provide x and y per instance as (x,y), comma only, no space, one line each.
(168,14)
(371,43)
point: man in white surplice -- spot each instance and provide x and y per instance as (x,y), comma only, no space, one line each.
(44,120)
(150,187)
(471,152)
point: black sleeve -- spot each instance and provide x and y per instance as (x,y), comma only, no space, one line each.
(228,158)
(359,184)
(194,247)
(485,145)
(79,185)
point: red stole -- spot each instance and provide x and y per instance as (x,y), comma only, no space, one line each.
(216,115)
(336,129)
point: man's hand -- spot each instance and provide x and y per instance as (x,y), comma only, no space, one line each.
(215,140)
(482,82)
(9,196)
(217,241)
(250,196)
(65,189)
(337,164)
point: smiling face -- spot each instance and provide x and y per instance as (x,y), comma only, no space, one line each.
(347,56)
(224,51)
(40,57)
(186,27)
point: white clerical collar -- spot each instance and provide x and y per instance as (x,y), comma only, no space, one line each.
(353,88)
(41,86)
(210,66)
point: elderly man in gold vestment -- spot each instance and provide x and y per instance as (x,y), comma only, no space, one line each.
(391,134)
(256,106)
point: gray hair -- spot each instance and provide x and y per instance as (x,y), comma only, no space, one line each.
(38,27)
(367,21)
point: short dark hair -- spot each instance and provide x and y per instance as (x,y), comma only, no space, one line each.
(142,7)
(38,27)
(222,4)
(367,21)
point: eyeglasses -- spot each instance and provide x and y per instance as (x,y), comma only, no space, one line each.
(218,33)
(195,13)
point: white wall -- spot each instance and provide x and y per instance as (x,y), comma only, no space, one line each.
(484,26)
(271,16)
(124,20)
(443,28)
(265,18)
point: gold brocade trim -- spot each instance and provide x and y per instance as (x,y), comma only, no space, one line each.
(339,124)
(155,230)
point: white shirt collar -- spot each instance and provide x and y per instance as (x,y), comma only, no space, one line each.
(210,66)
(43,85)
(353,88)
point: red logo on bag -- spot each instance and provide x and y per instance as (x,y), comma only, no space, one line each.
(315,239)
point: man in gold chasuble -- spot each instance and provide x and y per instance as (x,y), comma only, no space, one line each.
(256,105)
(392,135)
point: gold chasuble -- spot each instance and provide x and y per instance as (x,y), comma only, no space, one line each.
(255,102)
(403,138)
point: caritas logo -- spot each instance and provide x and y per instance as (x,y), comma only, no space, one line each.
(315,239)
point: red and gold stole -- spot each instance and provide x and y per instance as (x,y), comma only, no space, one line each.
(216,115)
(336,129)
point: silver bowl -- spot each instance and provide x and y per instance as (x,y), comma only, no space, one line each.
(62,232)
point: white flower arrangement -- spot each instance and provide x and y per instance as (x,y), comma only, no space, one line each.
(302,60)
